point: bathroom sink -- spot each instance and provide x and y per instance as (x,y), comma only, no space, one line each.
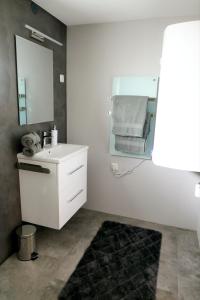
(56,154)
(53,184)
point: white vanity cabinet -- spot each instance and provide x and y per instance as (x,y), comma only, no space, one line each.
(50,199)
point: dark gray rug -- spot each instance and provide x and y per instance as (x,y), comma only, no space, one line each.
(120,263)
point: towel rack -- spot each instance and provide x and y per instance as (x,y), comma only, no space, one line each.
(32,168)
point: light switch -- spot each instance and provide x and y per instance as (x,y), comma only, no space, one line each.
(62,78)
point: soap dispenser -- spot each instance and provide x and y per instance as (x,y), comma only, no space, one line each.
(54,136)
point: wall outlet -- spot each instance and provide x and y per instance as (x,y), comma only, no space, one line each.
(197,190)
(62,78)
(114,167)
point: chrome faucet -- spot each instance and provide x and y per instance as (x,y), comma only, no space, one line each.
(45,137)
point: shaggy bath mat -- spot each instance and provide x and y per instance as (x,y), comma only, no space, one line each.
(120,263)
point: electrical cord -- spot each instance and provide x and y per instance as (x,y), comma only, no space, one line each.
(130,171)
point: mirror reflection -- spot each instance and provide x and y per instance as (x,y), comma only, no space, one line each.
(34,81)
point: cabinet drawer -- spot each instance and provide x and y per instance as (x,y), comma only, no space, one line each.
(70,183)
(70,204)
(73,165)
(73,175)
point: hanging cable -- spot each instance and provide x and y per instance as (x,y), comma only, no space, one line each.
(128,172)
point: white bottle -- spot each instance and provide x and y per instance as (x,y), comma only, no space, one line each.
(54,136)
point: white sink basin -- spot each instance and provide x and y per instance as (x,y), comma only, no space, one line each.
(56,154)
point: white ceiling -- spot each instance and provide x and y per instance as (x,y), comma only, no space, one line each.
(73,12)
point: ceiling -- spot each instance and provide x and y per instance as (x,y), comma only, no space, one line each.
(74,12)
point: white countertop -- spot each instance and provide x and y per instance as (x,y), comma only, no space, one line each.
(56,154)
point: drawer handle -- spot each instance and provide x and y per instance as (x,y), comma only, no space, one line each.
(72,172)
(76,195)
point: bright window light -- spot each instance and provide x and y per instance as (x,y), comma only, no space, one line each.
(177,133)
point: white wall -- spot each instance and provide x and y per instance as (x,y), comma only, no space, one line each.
(95,54)
(198,227)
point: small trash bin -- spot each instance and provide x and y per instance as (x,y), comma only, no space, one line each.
(26,242)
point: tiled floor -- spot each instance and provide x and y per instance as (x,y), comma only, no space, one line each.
(60,251)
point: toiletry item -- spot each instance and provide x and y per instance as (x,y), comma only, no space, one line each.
(54,136)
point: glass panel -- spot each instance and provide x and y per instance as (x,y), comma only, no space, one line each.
(136,86)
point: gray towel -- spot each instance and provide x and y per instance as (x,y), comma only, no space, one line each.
(129,114)
(30,139)
(129,144)
(147,125)
(30,151)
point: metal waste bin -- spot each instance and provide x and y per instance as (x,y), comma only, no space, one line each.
(26,242)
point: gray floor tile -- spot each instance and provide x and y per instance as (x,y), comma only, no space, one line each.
(189,289)
(167,274)
(52,290)
(163,295)
(60,252)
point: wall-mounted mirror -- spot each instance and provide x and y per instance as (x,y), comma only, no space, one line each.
(134,101)
(35,82)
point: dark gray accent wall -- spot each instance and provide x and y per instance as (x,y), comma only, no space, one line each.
(14,14)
